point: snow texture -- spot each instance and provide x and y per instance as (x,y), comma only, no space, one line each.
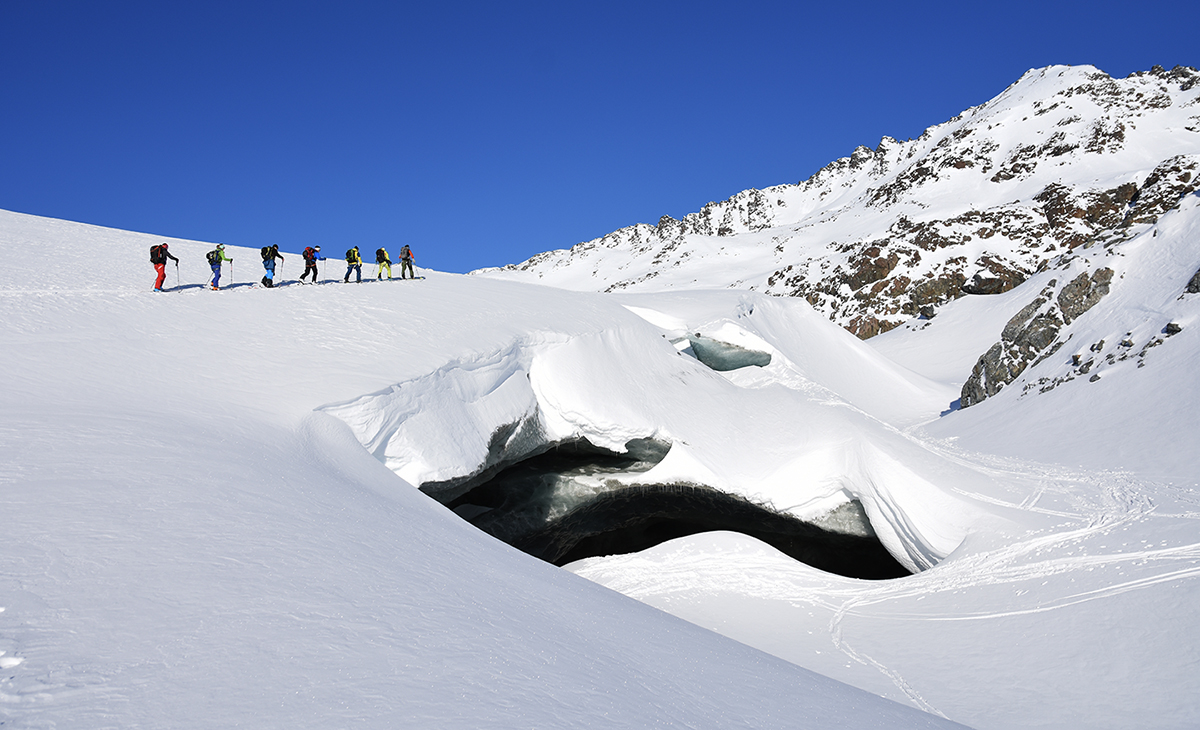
(191,540)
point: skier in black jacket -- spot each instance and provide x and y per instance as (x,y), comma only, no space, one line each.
(312,255)
(158,256)
(269,254)
(406,259)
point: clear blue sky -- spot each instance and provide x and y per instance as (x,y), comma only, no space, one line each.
(484,132)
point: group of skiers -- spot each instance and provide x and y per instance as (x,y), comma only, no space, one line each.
(312,254)
(354,264)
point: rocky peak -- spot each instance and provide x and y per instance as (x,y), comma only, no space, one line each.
(1060,162)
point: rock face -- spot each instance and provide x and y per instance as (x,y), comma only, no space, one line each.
(972,207)
(1082,293)
(1193,286)
(1033,333)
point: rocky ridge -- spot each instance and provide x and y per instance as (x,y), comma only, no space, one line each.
(1032,335)
(1065,160)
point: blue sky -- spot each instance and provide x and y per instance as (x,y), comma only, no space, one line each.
(484,132)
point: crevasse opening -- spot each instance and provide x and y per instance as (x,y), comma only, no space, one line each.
(723,356)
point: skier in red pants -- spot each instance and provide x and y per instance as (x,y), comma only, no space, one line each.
(158,256)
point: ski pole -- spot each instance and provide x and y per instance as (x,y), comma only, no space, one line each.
(176,274)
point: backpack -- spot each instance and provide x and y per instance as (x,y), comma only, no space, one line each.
(156,255)
(405,253)
(266,253)
(380,256)
(310,254)
(351,255)
(214,257)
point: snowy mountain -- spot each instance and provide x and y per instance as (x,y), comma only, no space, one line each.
(338,505)
(1067,158)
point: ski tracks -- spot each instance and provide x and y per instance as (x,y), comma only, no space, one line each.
(1097,545)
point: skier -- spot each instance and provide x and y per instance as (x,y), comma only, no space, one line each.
(385,262)
(158,256)
(312,255)
(353,263)
(406,259)
(215,257)
(269,254)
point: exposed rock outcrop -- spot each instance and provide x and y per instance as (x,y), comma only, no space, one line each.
(1083,292)
(1033,334)
(1193,286)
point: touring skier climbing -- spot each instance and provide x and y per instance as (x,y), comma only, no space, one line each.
(353,263)
(312,255)
(269,254)
(406,259)
(384,261)
(158,256)
(215,257)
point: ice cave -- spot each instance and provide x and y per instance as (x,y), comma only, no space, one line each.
(565,504)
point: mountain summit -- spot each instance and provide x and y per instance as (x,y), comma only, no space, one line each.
(1066,158)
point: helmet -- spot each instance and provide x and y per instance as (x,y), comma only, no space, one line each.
(164,245)
(221,246)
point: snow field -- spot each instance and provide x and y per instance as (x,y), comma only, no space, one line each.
(179,497)
(1076,610)
(188,544)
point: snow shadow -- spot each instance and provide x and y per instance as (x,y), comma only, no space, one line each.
(522,497)
(565,505)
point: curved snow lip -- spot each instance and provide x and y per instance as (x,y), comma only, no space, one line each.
(455,428)
(456,425)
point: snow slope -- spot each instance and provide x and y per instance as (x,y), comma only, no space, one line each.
(189,540)
(1085,615)
(210,515)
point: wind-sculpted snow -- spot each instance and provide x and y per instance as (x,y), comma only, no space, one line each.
(460,423)
(449,431)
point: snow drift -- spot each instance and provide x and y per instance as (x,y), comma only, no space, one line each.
(189,542)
